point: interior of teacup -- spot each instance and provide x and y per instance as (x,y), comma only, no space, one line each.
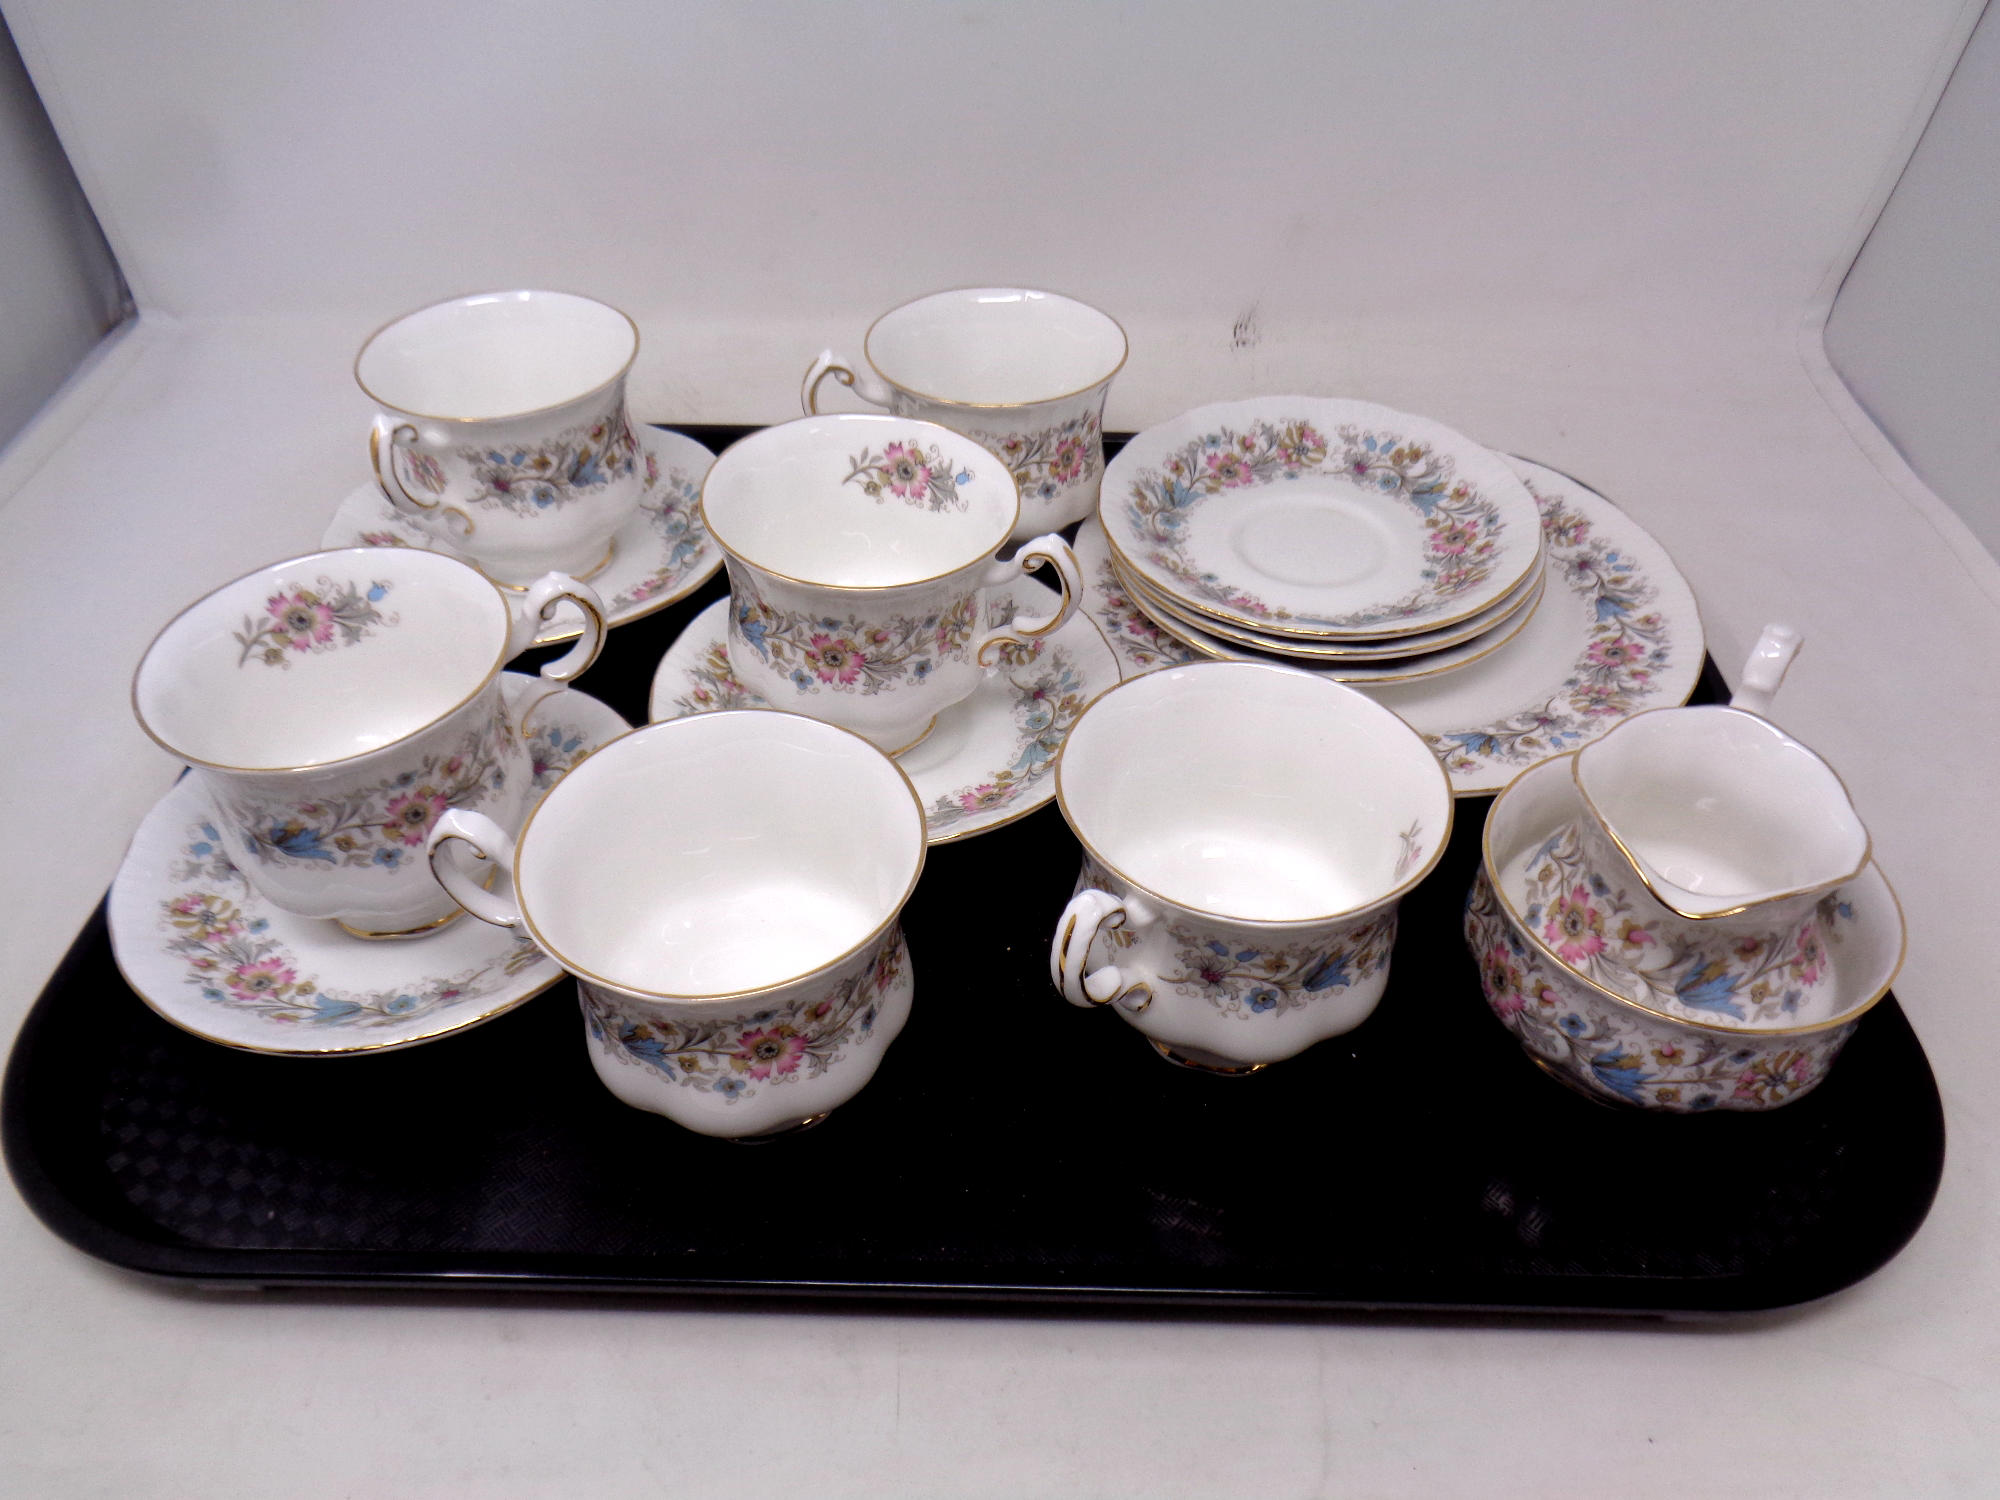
(995,346)
(496,354)
(859,500)
(321,658)
(1722,806)
(719,853)
(1254,792)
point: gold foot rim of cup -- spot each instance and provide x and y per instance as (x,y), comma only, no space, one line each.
(905,749)
(796,1127)
(602,563)
(424,930)
(1220,1070)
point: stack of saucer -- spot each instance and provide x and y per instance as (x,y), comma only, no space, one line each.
(1357,541)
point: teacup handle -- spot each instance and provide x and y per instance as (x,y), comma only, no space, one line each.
(489,843)
(862,382)
(1085,916)
(1054,551)
(537,606)
(384,438)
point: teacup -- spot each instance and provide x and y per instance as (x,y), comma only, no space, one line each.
(1248,835)
(859,550)
(1021,372)
(726,889)
(503,428)
(335,704)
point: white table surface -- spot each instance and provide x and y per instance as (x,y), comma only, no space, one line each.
(197,450)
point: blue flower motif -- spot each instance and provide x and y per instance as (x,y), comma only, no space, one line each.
(210,992)
(300,843)
(587,474)
(208,832)
(1263,998)
(1573,1024)
(963,476)
(729,1088)
(327,1010)
(921,670)
(1221,950)
(389,859)
(204,848)
(376,591)
(1331,974)
(802,680)
(1246,955)
(402,1005)
(259,924)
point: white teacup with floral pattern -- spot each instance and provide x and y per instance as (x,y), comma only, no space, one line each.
(727,889)
(1023,372)
(1248,835)
(335,704)
(503,428)
(861,550)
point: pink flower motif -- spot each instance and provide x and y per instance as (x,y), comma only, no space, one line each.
(1596,698)
(425,470)
(302,621)
(1810,961)
(1617,655)
(1503,982)
(652,470)
(1068,462)
(908,475)
(1230,471)
(1575,928)
(834,658)
(983,798)
(767,1050)
(409,817)
(1564,528)
(1454,540)
(265,976)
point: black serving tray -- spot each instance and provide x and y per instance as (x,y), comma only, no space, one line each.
(1010,1149)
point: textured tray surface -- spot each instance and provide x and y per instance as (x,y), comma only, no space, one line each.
(1010,1147)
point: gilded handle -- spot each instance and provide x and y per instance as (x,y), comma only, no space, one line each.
(842,369)
(1088,913)
(1054,551)
(489,844)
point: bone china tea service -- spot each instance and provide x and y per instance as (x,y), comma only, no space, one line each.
(335,704)
(1676,908)
(726,890)
(502,427)
(859,551)
(1021,372)
(1247,833)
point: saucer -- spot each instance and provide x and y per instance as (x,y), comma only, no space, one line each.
(1617,633)
(1410,668)
(1504,611)
(1308,516)
(660,555)
(988,761)
(206,951)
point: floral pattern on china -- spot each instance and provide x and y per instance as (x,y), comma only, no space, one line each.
(383,825)
(527,480)
(232,958)
(914,474)
(1247,981)
(1630,645)
(1462,528)
(735,1056)
(1606,934)
(1045,462)
(1626,1054)
(323,617)
(849,656)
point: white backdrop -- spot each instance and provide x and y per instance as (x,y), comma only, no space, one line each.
(1604,235)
